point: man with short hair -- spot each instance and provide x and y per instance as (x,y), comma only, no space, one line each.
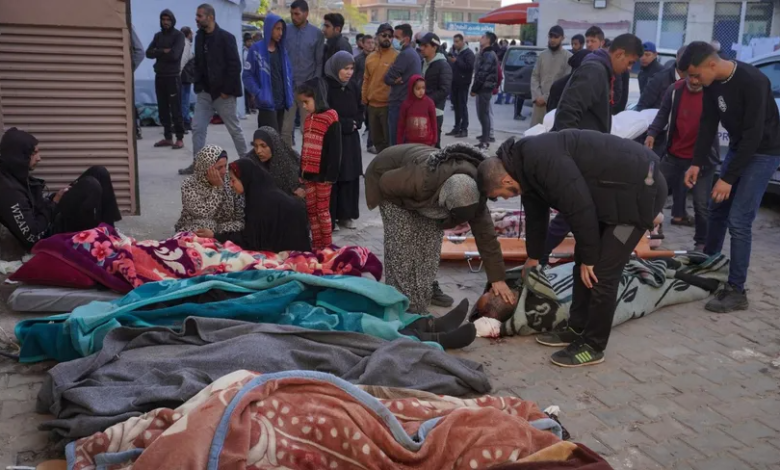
(740,97)
(334,40)
(485,80)
(655,90)
(217,82)
(167,47)
(649,65)
(438,77)
(565,171)
(406,64)
(305,48)
(359,37)
(577,43)
(551,65)
(375,92)
(594,38)
(462,62)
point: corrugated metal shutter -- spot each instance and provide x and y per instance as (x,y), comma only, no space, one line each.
(71,87)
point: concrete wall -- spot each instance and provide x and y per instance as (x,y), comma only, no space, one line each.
(576,17)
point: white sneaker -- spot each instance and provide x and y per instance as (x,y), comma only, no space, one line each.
(336,227)
(348,224)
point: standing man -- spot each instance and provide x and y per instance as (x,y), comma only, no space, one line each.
(564,170)
(334,40)
(577,43)
(594,39)
(217,82)
(680,114)
(305,47)
(656,87)
(438,77)
(462,62)
(406,64)
(649,65)
(740,97)
(375,92)
(551,65)
(167,47)
(187,77)
(359,37)
(357,78)
(485,80)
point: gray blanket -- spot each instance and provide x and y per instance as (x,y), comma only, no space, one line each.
(139,370)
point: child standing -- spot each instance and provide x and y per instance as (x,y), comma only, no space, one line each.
(417,121)
(320,158)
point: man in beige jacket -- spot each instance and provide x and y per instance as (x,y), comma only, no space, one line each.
(551,65)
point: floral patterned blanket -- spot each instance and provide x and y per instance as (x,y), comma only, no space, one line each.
(306,420)
(122,263)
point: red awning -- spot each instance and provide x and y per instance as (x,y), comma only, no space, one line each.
(510,14)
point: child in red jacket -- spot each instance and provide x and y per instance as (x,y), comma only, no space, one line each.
(417,122)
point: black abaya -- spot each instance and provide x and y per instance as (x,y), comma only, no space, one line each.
(274,221)
(345,196)
(89,201)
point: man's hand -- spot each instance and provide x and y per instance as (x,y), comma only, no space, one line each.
(721,191)
(204,233)
(540,102)
(588,276)
(214,178)
(500,288)
(529,263)
(473,94)
(452,59)
(165,51)
(691,176)
(399,80)
(649,142)
(224,96)
(300,192)
(59,194)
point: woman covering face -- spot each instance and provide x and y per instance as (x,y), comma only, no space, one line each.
(282,162)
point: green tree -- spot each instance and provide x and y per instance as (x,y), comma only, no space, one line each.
(353,16)
(265,5)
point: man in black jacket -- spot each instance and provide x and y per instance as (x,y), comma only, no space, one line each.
(610,190)
(217,82)
(654,92)
(29,214)
(485,80)
(649,65)
(438,76)
(462,62)
(334,41)
(167,47)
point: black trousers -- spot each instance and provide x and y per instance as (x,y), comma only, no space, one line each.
(89,201)
(345,200)
(168,91)
(460,100)
(270,118)
(439,124)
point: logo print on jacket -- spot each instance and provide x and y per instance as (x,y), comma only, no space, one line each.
(722,104)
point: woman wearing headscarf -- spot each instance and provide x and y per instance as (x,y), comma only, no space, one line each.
(344,98)
(271,153)
(421,191)
(274,221)
(208,201)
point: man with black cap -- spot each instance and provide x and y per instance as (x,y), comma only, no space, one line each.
(551,65)
(375,92)
(438,76)
(649,65)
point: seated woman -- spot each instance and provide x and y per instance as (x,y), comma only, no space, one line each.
(283,163)
(275,221)
(208,201)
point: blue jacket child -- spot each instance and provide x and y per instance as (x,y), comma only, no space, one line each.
(257,74)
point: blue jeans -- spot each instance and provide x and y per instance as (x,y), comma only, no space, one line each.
(393,114)
(673,169)
(186,88)
(738,212)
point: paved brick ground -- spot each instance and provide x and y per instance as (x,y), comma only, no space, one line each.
(681,389)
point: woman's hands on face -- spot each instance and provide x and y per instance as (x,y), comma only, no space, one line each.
(215,179)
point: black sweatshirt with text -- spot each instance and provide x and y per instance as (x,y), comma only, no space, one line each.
(746,107)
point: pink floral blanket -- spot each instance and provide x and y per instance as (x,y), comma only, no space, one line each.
(122,263)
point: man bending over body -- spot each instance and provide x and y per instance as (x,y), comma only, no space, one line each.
(31,216)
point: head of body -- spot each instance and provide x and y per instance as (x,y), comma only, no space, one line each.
(402,36)
(594,38)
(359,40)
(493,179)
(494,306)
(487,41)
(312,95)
(206,18)
(430,44)
(650,54)
(340,67)
(703,64)
(458,42)
(299,13)
(167,21)
(248,40)
(577,42)
(555,38)
(624,51)
(368,44)
(19,153)
(384,36)
(187,32)
(211,159)
(332,25)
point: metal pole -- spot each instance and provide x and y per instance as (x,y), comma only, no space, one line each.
(432,16)
(659,27)
(741,27)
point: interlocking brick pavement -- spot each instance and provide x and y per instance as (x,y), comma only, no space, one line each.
(680,389)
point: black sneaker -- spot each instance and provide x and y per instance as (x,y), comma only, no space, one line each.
(558,338)
(728,300)
(440,299)
(453,132)
(491,139)
(187,171)
(462,134)
(577,354)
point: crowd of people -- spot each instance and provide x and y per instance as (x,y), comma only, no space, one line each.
(607,191)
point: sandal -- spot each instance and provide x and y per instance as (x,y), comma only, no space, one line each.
(178,145)
(163,143)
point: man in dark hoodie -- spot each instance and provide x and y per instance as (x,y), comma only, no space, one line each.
(334,41)
(407,63)
(29,214)
(167,47)
(656,87)
(438,77)
(566,171)
(462,60)
(649,65)
(485,80)
(558,86)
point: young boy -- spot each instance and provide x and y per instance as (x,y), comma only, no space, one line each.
(417,121)
(320,158)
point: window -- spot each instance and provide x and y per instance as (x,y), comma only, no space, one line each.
(450,17)
(646,20)
(758,21)
(398,15)
(725,29)
(772,71)
(374,16)
(474,17)
(673,24)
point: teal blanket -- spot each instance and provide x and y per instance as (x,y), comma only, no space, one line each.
(331,303)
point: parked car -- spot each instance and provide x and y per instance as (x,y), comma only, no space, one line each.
(770,66)
(518,65)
